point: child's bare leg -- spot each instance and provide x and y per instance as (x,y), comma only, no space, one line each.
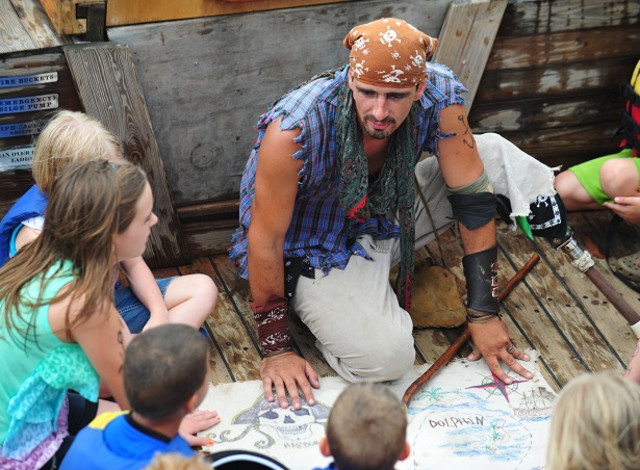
(190,299)
(573,194)
(619,177)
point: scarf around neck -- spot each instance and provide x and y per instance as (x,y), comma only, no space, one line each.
(393,190)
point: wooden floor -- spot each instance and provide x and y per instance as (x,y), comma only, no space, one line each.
(556,310)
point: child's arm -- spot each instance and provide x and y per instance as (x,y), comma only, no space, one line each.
(633,368)
(25,236)
(103,337)
(144,286)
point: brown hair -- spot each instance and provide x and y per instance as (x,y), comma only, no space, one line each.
(88,202)
(596,425)
(367,428)
(70,136)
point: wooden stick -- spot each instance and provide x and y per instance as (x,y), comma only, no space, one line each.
(464,337)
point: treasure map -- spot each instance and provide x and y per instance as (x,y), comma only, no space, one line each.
(464,417)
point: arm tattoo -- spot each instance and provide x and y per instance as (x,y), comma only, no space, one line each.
(467,137)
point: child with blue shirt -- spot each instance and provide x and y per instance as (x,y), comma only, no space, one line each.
(165,376)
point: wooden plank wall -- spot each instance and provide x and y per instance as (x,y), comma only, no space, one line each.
(551,82)
(206,81)
(108,88)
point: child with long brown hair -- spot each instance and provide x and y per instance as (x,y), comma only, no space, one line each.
(59,328)
(74,136)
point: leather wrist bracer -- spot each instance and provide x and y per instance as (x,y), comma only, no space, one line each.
(481,272)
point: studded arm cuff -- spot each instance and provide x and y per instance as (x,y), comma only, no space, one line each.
(272,320)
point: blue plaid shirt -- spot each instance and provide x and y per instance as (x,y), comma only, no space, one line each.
(319,227)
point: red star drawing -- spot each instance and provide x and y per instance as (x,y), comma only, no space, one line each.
(497,384)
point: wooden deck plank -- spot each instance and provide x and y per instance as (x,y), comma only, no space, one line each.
(527,312)
(563,308)
(534,330)
(227,328)
(552,310)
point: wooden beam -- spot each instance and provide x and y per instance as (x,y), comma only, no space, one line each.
(125,12)
(37,24)
(466,39)
(13,35)
(109,90)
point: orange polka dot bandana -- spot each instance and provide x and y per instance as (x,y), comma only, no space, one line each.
(389,52)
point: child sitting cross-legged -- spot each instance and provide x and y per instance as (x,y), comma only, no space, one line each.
(366,430)
(165,377)
(72,136)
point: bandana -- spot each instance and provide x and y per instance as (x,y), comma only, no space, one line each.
(389,52)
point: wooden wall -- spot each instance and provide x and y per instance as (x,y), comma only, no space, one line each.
(206,81)
(551,81)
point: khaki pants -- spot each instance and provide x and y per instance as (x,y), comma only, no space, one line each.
(354,313)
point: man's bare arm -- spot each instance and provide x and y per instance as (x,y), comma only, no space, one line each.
(461,165)
(275,193)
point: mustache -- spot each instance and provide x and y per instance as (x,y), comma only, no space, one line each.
(388,120)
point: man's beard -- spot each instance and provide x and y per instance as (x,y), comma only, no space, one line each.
(379,134)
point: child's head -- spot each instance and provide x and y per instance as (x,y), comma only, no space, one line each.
(165,368)
(367,429)
(91,203)
(596,424)
(177,462)
(70,136)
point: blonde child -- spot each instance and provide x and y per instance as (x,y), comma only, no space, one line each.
(596,425)
(73,136)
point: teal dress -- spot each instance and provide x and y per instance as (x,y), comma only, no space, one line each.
(36,375)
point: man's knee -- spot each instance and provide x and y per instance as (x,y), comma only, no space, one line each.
(386,360)
(398,360)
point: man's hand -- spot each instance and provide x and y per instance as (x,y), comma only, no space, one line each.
(627,207)
(491,341)
(195,422)
(287,372)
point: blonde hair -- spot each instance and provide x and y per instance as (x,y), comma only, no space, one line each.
(70,136)
(367,428)
(596,425)
(88,204)
(173,461)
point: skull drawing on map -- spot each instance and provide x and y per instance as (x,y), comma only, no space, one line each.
(273,422)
